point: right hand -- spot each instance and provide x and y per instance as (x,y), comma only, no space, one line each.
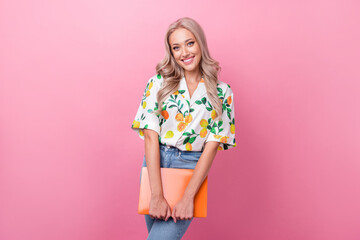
(159,208)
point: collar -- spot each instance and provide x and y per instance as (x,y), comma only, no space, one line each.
(199,92)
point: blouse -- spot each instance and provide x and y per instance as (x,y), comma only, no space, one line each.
(187,123)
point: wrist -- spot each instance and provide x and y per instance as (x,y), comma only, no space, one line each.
(188,196)
(157,195)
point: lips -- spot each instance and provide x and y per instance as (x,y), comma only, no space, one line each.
(188,60)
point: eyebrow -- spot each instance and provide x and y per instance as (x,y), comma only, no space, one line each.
(185,41)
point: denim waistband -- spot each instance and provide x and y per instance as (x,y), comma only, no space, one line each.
(175,149)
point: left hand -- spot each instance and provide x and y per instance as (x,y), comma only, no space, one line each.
(184,209)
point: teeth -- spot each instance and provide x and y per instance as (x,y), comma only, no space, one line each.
(188,60)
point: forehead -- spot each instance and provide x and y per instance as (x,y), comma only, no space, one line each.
(180,35)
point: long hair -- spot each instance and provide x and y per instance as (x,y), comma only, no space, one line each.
(172,73)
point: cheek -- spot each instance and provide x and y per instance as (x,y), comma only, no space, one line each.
(176,56)
(198,52)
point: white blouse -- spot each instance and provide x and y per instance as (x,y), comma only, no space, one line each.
(187,123)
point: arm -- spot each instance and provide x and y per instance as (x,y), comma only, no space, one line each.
(202,168)
(159,207)
(152,156)
(184,209)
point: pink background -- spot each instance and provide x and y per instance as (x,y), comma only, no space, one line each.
(72,75)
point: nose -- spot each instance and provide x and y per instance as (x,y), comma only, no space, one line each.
(185,53)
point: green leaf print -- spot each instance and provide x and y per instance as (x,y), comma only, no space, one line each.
(192,139)
(220,123)
(203,100)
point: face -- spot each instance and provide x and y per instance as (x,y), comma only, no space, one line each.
(185,49)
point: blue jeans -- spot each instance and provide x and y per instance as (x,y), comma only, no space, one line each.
(171,157)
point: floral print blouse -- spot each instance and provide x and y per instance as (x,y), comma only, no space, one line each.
(187,123)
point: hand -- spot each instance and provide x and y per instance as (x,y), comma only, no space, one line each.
(184,209)
(159,208)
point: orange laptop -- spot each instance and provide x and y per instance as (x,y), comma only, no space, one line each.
(174,181)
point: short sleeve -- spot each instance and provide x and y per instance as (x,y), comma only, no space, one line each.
(223,130)
(145,117)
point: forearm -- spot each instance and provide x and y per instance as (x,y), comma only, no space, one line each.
(152,157)
(202,168)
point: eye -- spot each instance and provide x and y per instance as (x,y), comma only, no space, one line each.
(192,43)
(174,48)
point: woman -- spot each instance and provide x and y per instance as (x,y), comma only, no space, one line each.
(186,131)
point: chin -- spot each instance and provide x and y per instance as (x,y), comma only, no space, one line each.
(190,68)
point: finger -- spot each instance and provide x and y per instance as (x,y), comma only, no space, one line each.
(168,213)
(173,215)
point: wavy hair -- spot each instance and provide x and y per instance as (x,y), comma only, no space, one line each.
(172,73)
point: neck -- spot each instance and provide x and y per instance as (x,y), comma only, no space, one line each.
(193,76)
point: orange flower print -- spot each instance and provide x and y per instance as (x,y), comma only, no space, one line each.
(229,99)
(188,146)
(213,114)
(188,118)
(181,126)
(203,132)
(232,128)
(179,117)
(165,114)
(224,139)
(203,123)
(136,124)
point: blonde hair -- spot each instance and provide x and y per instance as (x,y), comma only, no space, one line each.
(172,72)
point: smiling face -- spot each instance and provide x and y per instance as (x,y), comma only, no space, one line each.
(185,49)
